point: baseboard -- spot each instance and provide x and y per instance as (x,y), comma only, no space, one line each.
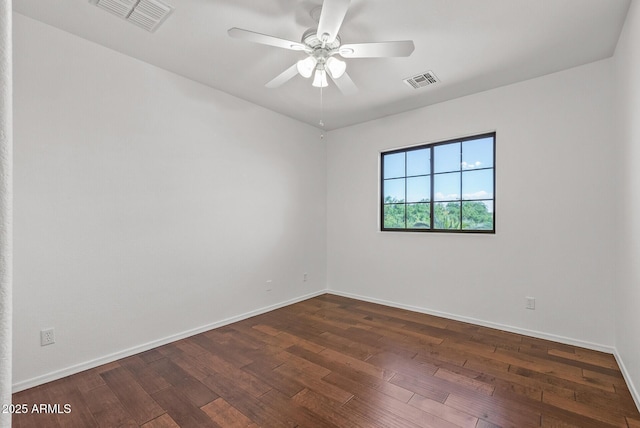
(627,378)
(58,374)
(39,380)
(503,327)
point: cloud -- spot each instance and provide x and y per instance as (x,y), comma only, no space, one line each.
(471,165)
(442,197)
(477,195)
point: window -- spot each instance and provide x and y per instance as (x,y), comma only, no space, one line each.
(440,187)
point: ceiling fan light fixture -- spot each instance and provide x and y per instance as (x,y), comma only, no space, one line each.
(325,53)
(306,66)
(336,67)
(320,79)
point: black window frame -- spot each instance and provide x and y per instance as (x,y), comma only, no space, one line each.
(431,175)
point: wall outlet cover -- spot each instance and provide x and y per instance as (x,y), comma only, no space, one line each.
(531,303)
(47,337)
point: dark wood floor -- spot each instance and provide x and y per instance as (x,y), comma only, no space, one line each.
(332,361)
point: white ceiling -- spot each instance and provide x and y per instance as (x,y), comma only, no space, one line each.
(471,45)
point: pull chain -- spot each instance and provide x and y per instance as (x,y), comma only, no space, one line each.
(321,123)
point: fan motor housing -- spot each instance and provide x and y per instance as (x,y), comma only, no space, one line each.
(310,39)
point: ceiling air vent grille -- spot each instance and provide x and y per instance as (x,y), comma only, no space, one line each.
(421,80)
(122,8)
(148,14)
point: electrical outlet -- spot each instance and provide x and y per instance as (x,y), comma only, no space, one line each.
(269,285)
(305,276)
(531,303)
(47,337)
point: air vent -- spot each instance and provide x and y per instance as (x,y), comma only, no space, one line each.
(421,80)
(148,14)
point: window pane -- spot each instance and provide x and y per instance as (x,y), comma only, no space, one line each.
(394,216)
(419,189)
(477,215)
(394,191)
(418,162)
(393,165)
(477,184)
(446,187)
(446,215)
(477,153)
(446,157)
(418,216)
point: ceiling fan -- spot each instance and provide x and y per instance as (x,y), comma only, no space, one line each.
(322,46)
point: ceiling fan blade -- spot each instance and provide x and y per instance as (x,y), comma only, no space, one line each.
(264,39)
(331,17)
(377,49)
(345,84)
(283,77)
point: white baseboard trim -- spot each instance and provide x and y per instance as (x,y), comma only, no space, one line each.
(503,327)
(627,378)
(58,374)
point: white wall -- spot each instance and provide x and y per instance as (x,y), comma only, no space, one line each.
(628,290)
(148,205)
(554,211)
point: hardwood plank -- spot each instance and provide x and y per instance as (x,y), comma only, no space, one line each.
(359,366)
(87,380)
(291,413)
(510,382)
(31,397)
(106,408)
(495,410)
(188,347)
(313,382)
(328,409)
(399,364)
(633,423)
(592,357)
(264,372)
(144,375)
(456,417)
(79,415)
(182,411)
(242,400)
(485,424)
(406,412)
(221,369)
(613,402)
(303,343)
(553,422)
(168,370)
(585,410)
(554,416)
(163,421)
(150,355)
(225,415)
(433,354)
(133,397)
(229,355)
(195,392)
(423,386)
(362,385)
(465,381)
(194,367)
(376,416)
